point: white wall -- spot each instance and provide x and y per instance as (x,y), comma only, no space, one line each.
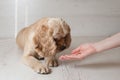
(86,17)
(7,18)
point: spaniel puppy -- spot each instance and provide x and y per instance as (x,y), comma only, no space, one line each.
(45,38)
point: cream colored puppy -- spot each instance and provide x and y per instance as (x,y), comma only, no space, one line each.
(44,38)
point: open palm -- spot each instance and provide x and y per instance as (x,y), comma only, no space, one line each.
(81,52)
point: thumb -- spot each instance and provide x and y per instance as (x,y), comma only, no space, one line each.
(76,51)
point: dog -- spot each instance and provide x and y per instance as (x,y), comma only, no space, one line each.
(45,38)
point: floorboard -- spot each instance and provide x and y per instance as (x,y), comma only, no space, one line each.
(102,66)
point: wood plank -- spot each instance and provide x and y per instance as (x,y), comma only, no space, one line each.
(103,66)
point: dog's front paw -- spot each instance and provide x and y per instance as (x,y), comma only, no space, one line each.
(42,70)
(53,63)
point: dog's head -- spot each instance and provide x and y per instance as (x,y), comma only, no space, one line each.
(53,35)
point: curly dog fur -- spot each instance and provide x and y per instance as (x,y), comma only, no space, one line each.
(45,38)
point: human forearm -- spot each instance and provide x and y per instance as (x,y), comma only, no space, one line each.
(111,42)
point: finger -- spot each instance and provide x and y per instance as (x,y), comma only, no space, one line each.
(75,51)
(63,58)
(72,57)
(69,57)
(78,56)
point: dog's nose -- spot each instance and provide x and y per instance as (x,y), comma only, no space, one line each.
(62,47)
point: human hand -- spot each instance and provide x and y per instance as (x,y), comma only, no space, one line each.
(81,52)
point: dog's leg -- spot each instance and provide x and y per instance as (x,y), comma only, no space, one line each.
(35,64)
(51,61)
(30,60)
(39,57)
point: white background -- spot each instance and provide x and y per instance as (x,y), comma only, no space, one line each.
(86,17)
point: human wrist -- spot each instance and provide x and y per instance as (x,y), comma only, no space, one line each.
(97,47)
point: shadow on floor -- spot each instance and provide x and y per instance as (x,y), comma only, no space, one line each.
(99,65)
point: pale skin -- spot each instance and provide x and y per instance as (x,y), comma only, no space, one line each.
(85,50)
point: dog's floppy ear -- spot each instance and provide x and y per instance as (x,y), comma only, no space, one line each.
(43,31)
(40,34)
(43,39)
(36,41)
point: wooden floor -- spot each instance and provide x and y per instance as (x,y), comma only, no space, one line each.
(103,66)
